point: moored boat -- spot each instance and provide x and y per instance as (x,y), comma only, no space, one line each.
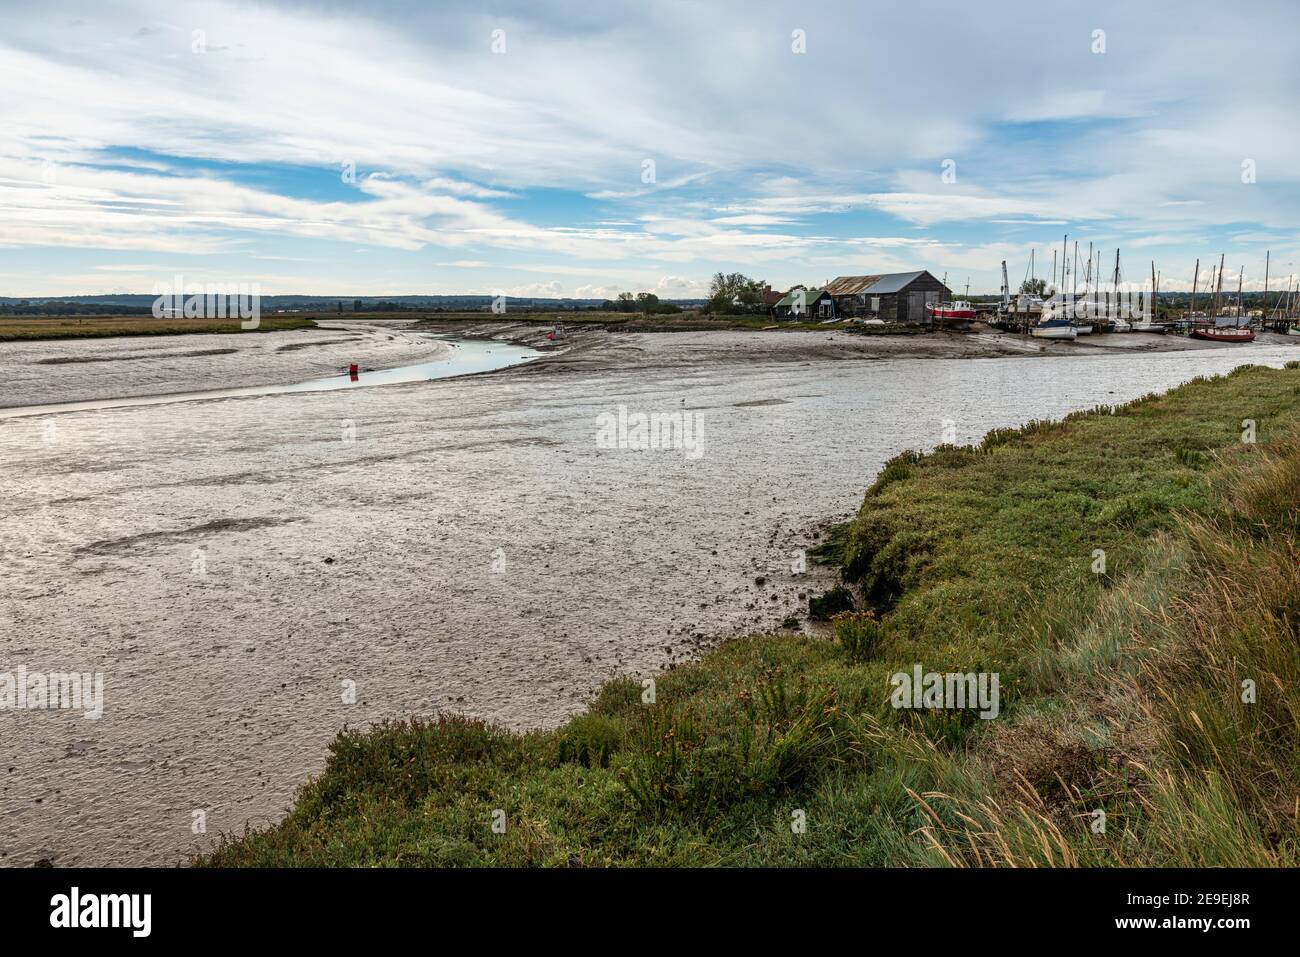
(1223,333)
(959,311)
(1221,328)
(1053,329)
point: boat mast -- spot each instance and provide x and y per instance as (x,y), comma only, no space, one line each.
(1195,276)
(1151,306)
(1264,311)
(1064,241)
(1074,273)
(1241,272)
(1088,281)
(1116,311)
(1218,289)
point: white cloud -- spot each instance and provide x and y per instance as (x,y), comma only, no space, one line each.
(753,145)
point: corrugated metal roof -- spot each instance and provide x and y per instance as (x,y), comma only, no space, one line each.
(851,285)
(876,285)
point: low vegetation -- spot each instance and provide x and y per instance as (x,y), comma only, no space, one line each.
(93,327)
(1131,574)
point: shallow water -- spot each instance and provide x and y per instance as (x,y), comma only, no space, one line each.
(461,544)
(466,357)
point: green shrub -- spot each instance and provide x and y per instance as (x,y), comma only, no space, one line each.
(859,634)
(1128,511)
(824,607)
(895,470)
(590,740)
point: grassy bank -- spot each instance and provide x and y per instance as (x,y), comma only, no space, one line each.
(1121,688)
(95,327)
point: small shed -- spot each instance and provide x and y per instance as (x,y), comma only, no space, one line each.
(809,305)
(893,297)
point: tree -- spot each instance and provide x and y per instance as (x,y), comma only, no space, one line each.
(647,301)
(1034,287)
(731,293)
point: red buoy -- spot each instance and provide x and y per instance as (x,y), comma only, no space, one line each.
(353,369)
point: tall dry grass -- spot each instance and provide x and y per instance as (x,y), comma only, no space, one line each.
(1207,769)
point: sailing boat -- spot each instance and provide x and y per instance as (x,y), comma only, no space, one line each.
(1053,316)
(1285,311)
(1055,319)
(1117,322)
(1149,323)
(1224,333)
(1051,326)
(1219,329)
(1083,317)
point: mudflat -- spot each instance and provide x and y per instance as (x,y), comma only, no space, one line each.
(250,575)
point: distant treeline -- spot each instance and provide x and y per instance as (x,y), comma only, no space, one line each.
(22,307)
(646,302)
(143,305)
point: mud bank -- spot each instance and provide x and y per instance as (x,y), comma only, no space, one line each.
(596,348)
(76,370)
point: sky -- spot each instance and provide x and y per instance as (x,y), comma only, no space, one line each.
(571,149)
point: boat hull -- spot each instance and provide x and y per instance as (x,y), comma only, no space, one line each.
(1053,332)
(951,315)
(1223,335)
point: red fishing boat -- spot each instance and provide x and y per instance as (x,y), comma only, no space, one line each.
(1221,328)
(1223,333)
(959,311)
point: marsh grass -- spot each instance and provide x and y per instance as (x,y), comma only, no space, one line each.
(100,327)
